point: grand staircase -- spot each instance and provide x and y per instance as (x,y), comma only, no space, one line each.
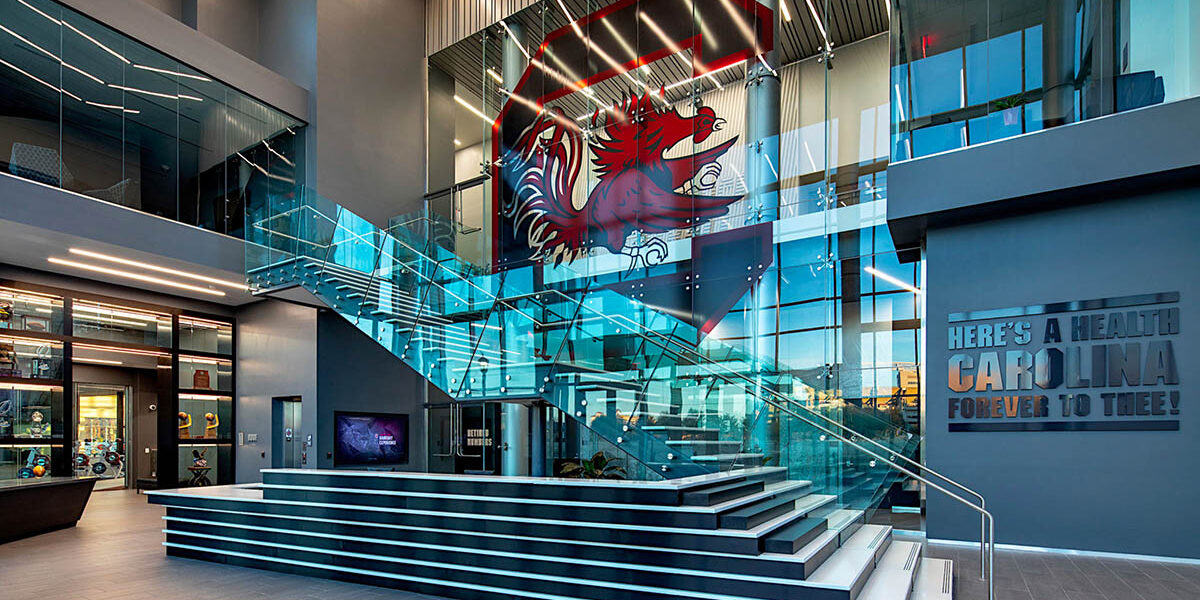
(752,483)
(748,534)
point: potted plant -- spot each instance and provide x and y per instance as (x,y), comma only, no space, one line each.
(1011,108)
(600,466)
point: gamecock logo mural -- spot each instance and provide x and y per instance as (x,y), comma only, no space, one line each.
(637,188)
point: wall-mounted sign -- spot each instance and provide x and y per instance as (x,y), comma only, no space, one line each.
(1090,365)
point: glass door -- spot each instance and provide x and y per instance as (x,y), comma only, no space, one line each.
(100,433)
(463,438)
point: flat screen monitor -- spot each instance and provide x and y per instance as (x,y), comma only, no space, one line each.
(365,439)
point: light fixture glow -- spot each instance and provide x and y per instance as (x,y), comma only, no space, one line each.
(892,280)
(169,72)
(471,107)
(120,350)
(787,14)
(513,36)
(820,26)
(31,7)
(112,106)
(457,142)
(99,361)
(158,94)
(134,276)
(97,42)
(37,79)
(494,75)
(103,319)
(135,263)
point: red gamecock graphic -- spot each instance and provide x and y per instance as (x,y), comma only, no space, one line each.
(638,189)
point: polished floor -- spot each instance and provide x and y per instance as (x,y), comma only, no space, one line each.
(116,552)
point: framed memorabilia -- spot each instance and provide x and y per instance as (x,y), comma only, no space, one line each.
(36,323)
(6,311)
(200,379)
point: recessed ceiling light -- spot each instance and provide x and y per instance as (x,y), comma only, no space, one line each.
(136,276)
(136,263)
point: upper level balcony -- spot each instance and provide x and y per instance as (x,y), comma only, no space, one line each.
(89,110)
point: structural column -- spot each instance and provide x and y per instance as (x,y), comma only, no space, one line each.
(762,130)
(515,426)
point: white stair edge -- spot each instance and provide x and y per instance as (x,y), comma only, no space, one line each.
(854,561)
(895,573)
(935,580)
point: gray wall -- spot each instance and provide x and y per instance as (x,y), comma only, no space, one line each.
(234,23)
(277,356)
(1130,492)
(370,113)
(356,374)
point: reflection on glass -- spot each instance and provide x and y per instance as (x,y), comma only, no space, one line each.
(203,416)
(87,109)
(30,311)
(120,324)
(24,461)
(30,358)
(197,373)
(203,335)
(30,411)
(1008,69)
(100,432)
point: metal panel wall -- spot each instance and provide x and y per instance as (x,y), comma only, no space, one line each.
(448,21)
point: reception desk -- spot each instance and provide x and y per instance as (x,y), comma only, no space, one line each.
(32,506)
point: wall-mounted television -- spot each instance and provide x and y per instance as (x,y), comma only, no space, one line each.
(366,439)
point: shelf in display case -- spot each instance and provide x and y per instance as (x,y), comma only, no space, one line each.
(201,374)
(205,417)
(35,312)
(205,337)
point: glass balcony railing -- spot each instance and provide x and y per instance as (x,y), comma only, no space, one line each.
(628,373)
(992,69)
(89,110)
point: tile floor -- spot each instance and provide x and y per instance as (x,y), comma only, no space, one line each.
(115,553)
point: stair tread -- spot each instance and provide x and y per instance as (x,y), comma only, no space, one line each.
(803,530)
(935,580)
(893,577)
(704,496)
(769,490)
(715,457)
(851,562)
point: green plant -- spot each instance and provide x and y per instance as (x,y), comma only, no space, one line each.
(600,466)
(1010,102)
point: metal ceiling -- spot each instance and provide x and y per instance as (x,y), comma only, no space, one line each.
(844,21)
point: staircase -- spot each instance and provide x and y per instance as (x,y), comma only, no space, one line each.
(750,534)
(755,486)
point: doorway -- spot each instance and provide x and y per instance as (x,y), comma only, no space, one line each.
(286,447)
(100,433)
(464,438)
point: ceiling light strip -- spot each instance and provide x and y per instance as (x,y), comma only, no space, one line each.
(170,72)
(134,276)
(99,361)
(136,263)
(892,280)
(79,346)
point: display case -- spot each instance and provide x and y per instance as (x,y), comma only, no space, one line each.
(203,416)
(30,311)
(24,461)
(203,464)
(204,335)
(99,321)
(30,412)
(205,374)
(30,358)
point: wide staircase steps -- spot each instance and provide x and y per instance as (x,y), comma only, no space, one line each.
(743,535)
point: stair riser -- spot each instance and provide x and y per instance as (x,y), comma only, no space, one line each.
(633,536)
(656,577)
(626,494)
(723,494)
(630,515)
(816,527)
(666,558)
(759,512)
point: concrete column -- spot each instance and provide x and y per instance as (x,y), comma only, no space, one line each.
(762,130)
(1058,63)
(514,457)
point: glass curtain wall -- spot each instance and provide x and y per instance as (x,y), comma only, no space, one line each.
(721,164)
(89,110)
(991,69)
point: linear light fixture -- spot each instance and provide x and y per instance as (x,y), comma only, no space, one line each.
(100,319)
(30,387)
(136,263)
(892,280)
(99,361)
(457,142)
(471,107)
(97,42)
(494,75)
(512,35)
(111,311)
(820,26)
(787,14)
(52,55)
(170,72)
(34,9)
(135,276)
(112,106)
(37,79)
(120,350)
(158,94)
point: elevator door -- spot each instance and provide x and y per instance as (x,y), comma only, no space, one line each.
(286,445)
